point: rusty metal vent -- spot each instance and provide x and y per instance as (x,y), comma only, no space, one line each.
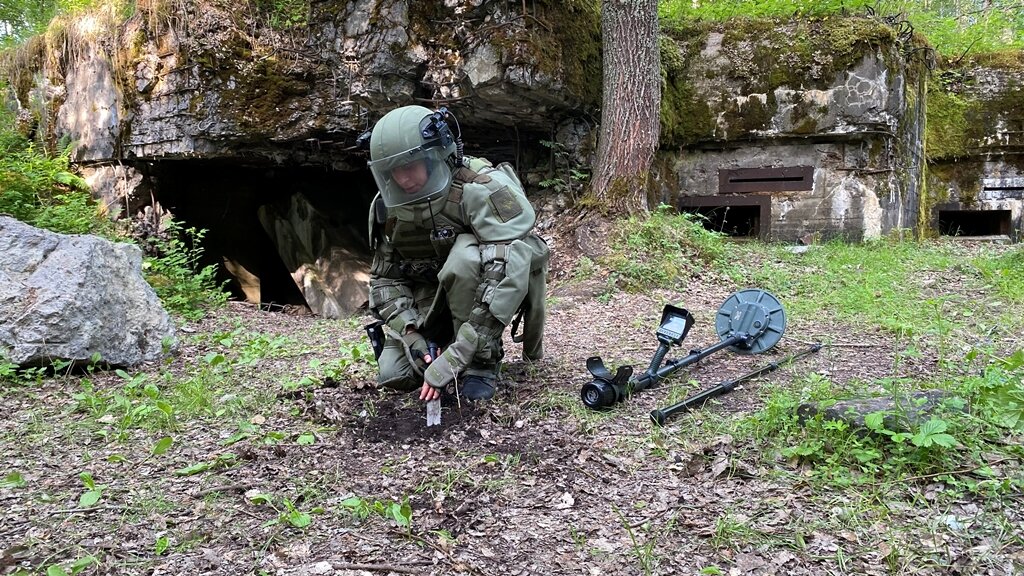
(744,180)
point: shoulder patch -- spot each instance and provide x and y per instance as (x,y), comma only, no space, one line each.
(504,204)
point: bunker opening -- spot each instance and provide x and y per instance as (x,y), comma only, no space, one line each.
(269,228)
(975,223)
(736,217)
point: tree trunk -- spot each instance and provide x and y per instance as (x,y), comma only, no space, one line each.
(631,105)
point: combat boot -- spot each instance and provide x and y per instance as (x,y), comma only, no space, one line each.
(475,387)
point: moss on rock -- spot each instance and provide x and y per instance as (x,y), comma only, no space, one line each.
(712,69)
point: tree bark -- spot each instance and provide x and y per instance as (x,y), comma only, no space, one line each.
(631,105)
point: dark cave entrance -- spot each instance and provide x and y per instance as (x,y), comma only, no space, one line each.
(732,215)
(975,222)
(224,198)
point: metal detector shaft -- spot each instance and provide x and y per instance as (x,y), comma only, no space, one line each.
(656,372)
(660,416)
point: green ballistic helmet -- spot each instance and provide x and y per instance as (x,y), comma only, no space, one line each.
(412,155)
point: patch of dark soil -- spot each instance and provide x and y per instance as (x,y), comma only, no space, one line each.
(399,422)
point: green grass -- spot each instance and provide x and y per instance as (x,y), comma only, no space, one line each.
(1004,273)
(662,250)
(896,286)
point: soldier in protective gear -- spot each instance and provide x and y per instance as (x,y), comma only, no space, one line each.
(454,259)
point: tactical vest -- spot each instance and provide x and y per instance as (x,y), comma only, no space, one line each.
(422,235)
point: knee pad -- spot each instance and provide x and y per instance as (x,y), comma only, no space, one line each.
(393,368)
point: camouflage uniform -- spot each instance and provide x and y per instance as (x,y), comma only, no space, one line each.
(454,267)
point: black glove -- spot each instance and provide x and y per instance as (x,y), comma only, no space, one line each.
(417,345)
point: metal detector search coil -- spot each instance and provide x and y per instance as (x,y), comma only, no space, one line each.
(749,322)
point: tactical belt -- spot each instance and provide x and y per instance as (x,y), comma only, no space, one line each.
(425,269)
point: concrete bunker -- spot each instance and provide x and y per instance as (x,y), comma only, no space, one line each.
(743,205)
(734,216)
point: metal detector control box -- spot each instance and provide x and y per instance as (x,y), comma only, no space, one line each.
(675,324)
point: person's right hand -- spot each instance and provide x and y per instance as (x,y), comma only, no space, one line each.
(428,393)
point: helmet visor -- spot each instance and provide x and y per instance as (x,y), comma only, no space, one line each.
(411,176)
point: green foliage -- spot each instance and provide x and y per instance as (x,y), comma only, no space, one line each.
(566,176)
(221,461)
(727,9)
(41,190)
(8,370)
(183,285)
(150,402)
(1005,272)
(287,512)
(140,403)
(93,491)
(285,14)
(22,19)
(74,568)
(399,513)
(663,249)
(890,445)
(354,358)
(13,480)
(997,393)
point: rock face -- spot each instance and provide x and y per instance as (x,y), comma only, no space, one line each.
(72,297)
(209,80)
(799,129)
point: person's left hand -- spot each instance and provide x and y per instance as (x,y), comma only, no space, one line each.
(428,392)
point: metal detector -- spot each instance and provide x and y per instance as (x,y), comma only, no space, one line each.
(748,322)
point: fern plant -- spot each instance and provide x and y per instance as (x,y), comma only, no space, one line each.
(184,285)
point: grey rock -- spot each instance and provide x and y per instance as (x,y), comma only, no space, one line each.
(70,297)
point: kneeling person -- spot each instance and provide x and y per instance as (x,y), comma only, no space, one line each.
(454,258)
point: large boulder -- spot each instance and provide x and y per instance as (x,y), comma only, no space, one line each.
(70,297)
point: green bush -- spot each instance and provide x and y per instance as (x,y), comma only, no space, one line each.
(41,190)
